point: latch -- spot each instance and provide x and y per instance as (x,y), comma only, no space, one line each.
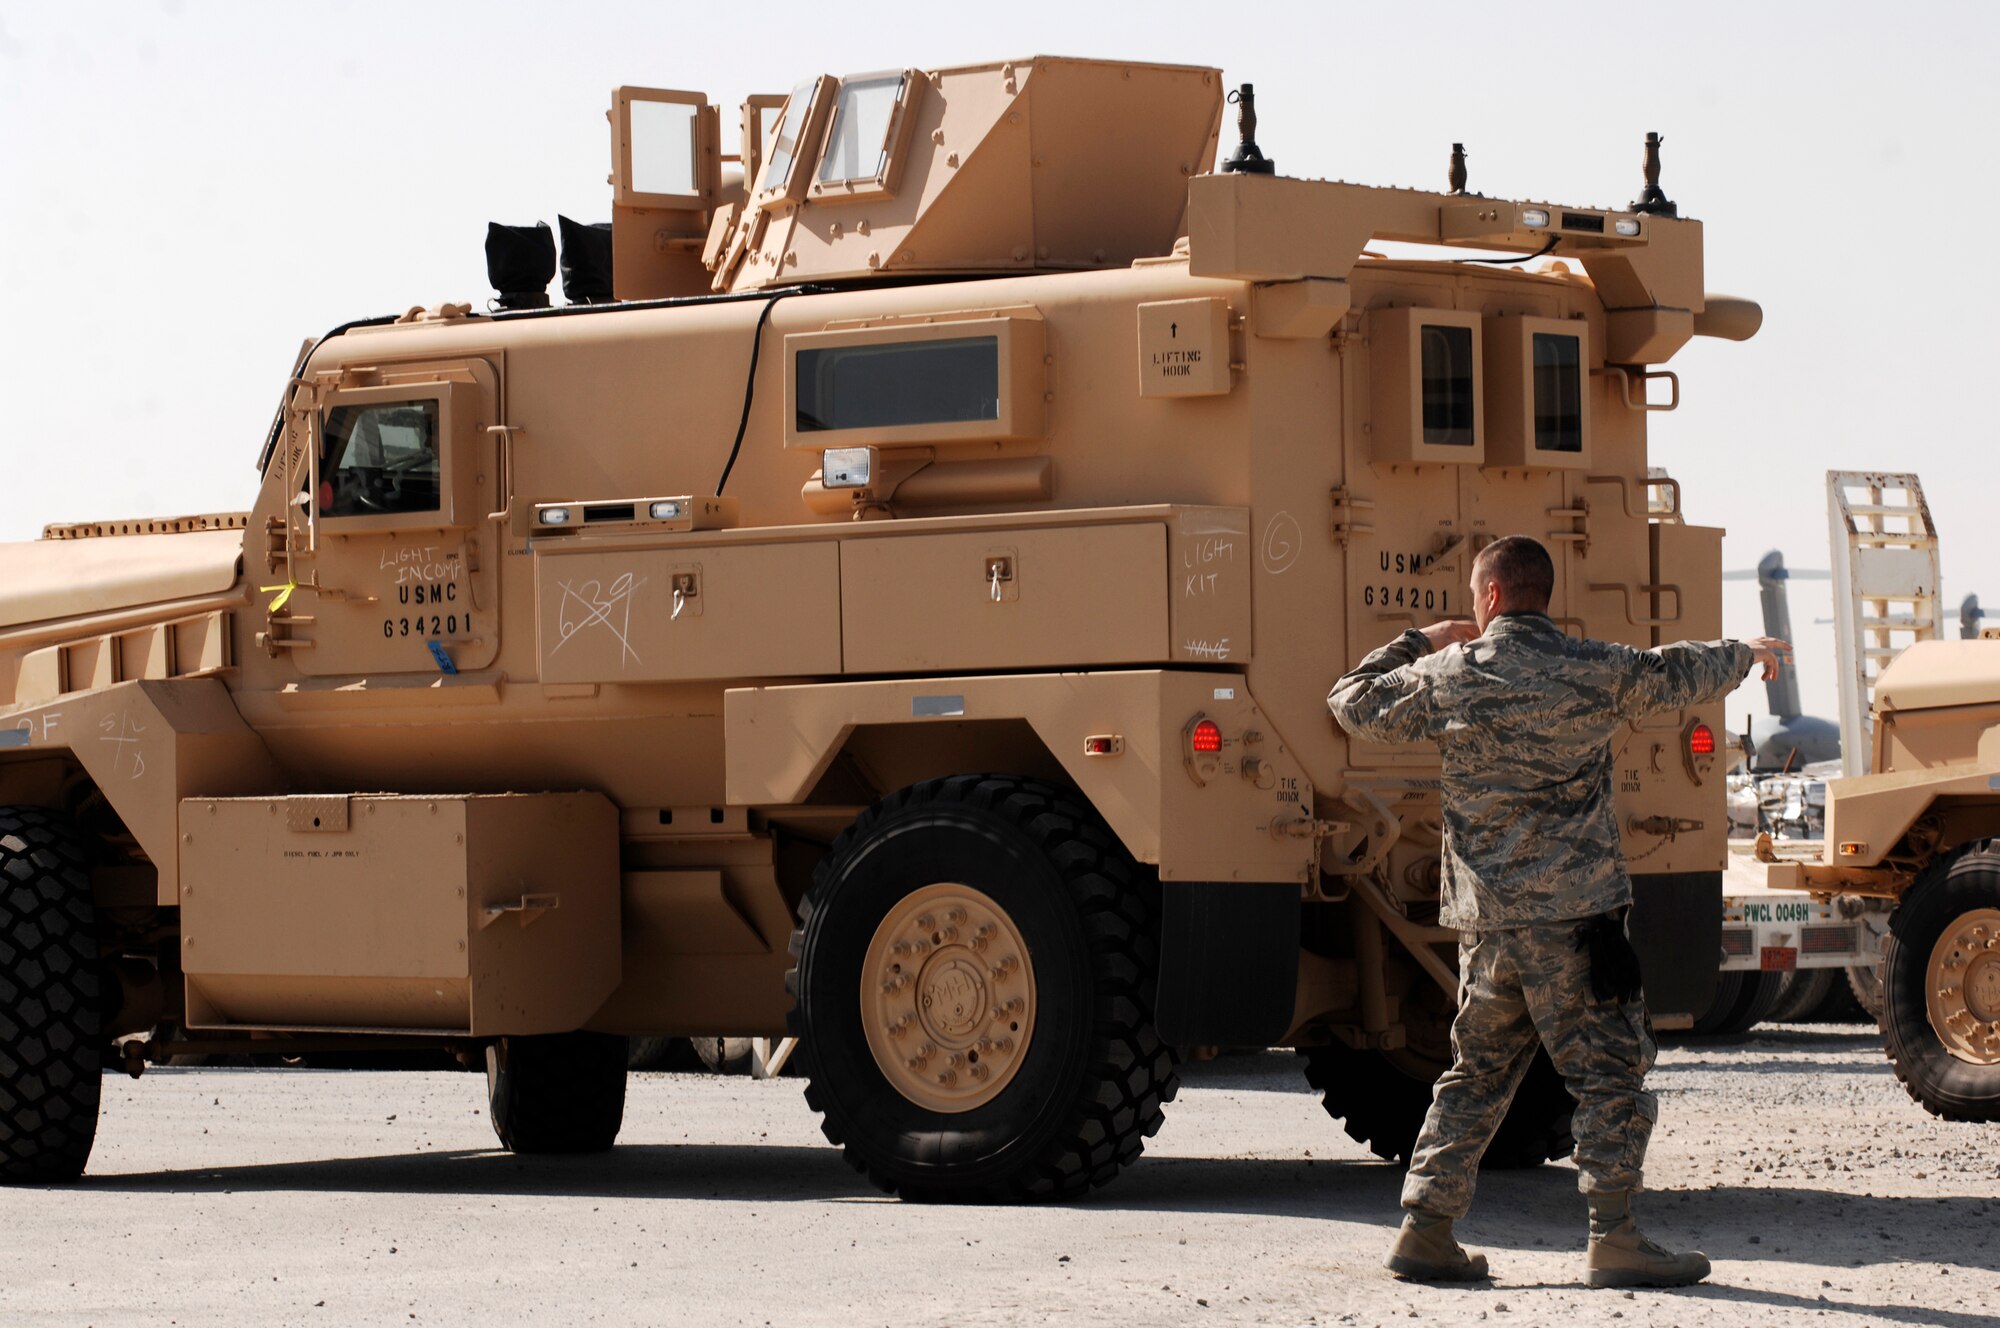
(686,585)
(999,576)
(527,907)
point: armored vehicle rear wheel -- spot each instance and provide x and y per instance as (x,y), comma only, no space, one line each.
(974,994)
(50,1022)
(1380,1099)
(1941,988)
(557,1092)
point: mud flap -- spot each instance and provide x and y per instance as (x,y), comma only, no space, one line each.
(1229,962)
(1676,927)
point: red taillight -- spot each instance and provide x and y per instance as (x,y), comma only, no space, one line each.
(1701,741)
(1206,737)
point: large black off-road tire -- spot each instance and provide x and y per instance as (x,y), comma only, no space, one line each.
(1801,993)
(50,1017)
(997,890)
(1941,987)
(1380,1099)
(557,1092)
(1743,999)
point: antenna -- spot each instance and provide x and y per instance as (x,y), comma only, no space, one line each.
(1248,159)
(1456,175)
(1652,200)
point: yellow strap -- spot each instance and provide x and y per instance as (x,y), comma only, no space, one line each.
(284,593)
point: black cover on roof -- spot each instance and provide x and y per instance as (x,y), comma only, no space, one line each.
(586,261)
(520,263)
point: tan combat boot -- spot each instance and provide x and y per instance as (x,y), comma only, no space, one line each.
(1621,1256)
(1425,1252)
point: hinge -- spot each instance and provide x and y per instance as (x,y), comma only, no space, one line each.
(1345,506)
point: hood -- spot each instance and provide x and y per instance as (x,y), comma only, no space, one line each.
(69,578)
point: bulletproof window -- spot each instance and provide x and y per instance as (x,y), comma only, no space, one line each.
(1447,385)
(858,146)
(663,148)
(791,127)
(887,383)
(379,458)
(1558,393)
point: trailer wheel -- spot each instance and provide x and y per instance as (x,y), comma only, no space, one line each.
(1941,988)
(556,1092)
(1802,992)
(1380,1099)
(723,1055)
(973,994)
(1743,999)
(50,1021)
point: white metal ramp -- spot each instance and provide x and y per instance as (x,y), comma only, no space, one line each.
(1885,590)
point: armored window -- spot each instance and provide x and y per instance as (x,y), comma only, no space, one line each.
(858,146)
(380,459)
(1448,389)
(663,148)
(782,177)
(887,384)
(1558,393)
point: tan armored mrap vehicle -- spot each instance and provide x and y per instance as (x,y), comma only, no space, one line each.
(1920,829)
(900,615)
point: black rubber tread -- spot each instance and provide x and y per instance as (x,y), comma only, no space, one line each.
(1803,992)
(50,987)
(661,1054)
(1081,1126)
(1943,1084)
(1864,983)
(723,1055)
(1380,1104)
(1839,1006)
(1743,999)
(557,1092)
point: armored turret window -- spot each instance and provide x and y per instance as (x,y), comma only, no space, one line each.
(1448,389)
(858,147)
(1558,393)
(379,459)
(890,383)
(774,183)
(663,148)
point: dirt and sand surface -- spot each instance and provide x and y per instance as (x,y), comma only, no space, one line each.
(240,1196)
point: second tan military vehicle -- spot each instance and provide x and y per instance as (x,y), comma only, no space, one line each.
(896,606)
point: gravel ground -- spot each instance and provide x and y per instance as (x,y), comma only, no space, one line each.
(221,1196)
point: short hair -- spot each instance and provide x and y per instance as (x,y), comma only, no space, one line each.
(1522,569)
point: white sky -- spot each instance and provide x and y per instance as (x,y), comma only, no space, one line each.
(189,188)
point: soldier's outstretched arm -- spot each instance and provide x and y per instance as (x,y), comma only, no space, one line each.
(1689,673)
(1383,698)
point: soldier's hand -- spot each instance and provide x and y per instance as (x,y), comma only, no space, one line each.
(1450,632)
(1770,652)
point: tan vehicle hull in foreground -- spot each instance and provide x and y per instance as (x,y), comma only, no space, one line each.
(901,616)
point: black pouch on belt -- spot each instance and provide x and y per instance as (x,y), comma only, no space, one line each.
(1614,964)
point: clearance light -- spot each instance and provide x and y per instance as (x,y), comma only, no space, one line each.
(1701,741)
(1103,744)
(555,516)
(1206,738)
(671,509)
(1534,218)
(1625,226)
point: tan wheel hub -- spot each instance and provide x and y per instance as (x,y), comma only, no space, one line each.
(948,998)
(1964,987)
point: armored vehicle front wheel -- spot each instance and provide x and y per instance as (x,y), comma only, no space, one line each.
(1380,1099)
(974,994)
(1941,988)
(50,1022)
(557,1092)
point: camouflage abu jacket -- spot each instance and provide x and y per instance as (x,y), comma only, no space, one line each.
(1524,717)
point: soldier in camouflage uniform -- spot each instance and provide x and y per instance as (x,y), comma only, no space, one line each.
(1534,882)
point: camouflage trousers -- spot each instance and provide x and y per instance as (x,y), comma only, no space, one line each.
(1516,988)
